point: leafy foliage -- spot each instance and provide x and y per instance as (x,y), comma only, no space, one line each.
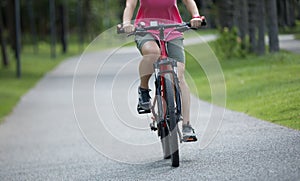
(229,45)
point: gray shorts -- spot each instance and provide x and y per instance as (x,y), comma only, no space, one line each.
(175,47)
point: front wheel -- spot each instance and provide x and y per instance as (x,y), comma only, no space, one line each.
(164,132)
(171,118)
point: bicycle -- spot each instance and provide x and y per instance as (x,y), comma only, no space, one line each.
(166,108)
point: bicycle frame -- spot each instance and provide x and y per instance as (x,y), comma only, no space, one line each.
(162,66)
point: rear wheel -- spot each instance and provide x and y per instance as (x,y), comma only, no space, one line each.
(172,119)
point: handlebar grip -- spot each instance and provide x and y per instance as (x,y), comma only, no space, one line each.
(203,22)
(120,29)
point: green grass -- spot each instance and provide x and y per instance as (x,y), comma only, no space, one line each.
(34,66)
(266,87)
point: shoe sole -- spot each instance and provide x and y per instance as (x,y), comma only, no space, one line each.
(142,110)
(189,139)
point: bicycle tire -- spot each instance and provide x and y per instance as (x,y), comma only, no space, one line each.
(165,141)
(172,121)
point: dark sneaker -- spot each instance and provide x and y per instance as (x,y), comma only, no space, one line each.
(188,133)
(144,104)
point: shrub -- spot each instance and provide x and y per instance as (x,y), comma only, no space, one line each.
(229,44)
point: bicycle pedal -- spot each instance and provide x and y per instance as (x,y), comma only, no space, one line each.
(189,139)
(143,111)
(153,127)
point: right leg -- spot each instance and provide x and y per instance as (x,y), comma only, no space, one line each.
(151,53)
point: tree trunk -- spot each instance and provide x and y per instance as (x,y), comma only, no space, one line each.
(87,17)
(261,27)
(281,13)
(243,21)
(106,19)
(235,8)
(120,13)
(11,23)
(298,10)
(206,9)
(80,23)
(63,31)
(32,25)
(5,61)
(52,28)
(290,9)
(286,13)
(18,36)
(226,13)
(272,25)
(252,24)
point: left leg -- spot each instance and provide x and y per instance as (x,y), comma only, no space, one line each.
(176,51)
(185,91)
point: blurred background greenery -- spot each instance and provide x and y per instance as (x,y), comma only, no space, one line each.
(36,35)
(64,22)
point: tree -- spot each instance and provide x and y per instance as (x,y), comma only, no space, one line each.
(287,12)
(272,24)
(31,18)
(63,25)
(252,6)
(298,9)
(10,19)
(18,37)
(79,23)
(87,15)
(242,19)
(5,61)
(52,27)
(261,27)
(226,14)
(290,12)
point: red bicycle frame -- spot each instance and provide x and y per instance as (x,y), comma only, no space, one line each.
(163,68)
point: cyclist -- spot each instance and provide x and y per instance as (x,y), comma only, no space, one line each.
(161,11)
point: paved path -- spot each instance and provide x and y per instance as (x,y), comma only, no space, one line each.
(106,140)
(286,42)
(289,43)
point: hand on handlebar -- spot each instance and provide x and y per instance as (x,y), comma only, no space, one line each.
(128,28)
(197,22)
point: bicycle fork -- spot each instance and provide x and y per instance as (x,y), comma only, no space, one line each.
(162,67)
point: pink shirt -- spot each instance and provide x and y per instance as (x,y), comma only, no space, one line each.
(161,11)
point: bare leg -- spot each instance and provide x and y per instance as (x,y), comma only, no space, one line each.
(185,91)
(151,53)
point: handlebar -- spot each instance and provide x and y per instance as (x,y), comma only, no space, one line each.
(178,27)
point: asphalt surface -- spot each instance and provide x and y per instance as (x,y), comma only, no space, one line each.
(289,43)
(79,123)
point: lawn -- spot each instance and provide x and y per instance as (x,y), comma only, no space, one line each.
(266,87)
(34,66)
